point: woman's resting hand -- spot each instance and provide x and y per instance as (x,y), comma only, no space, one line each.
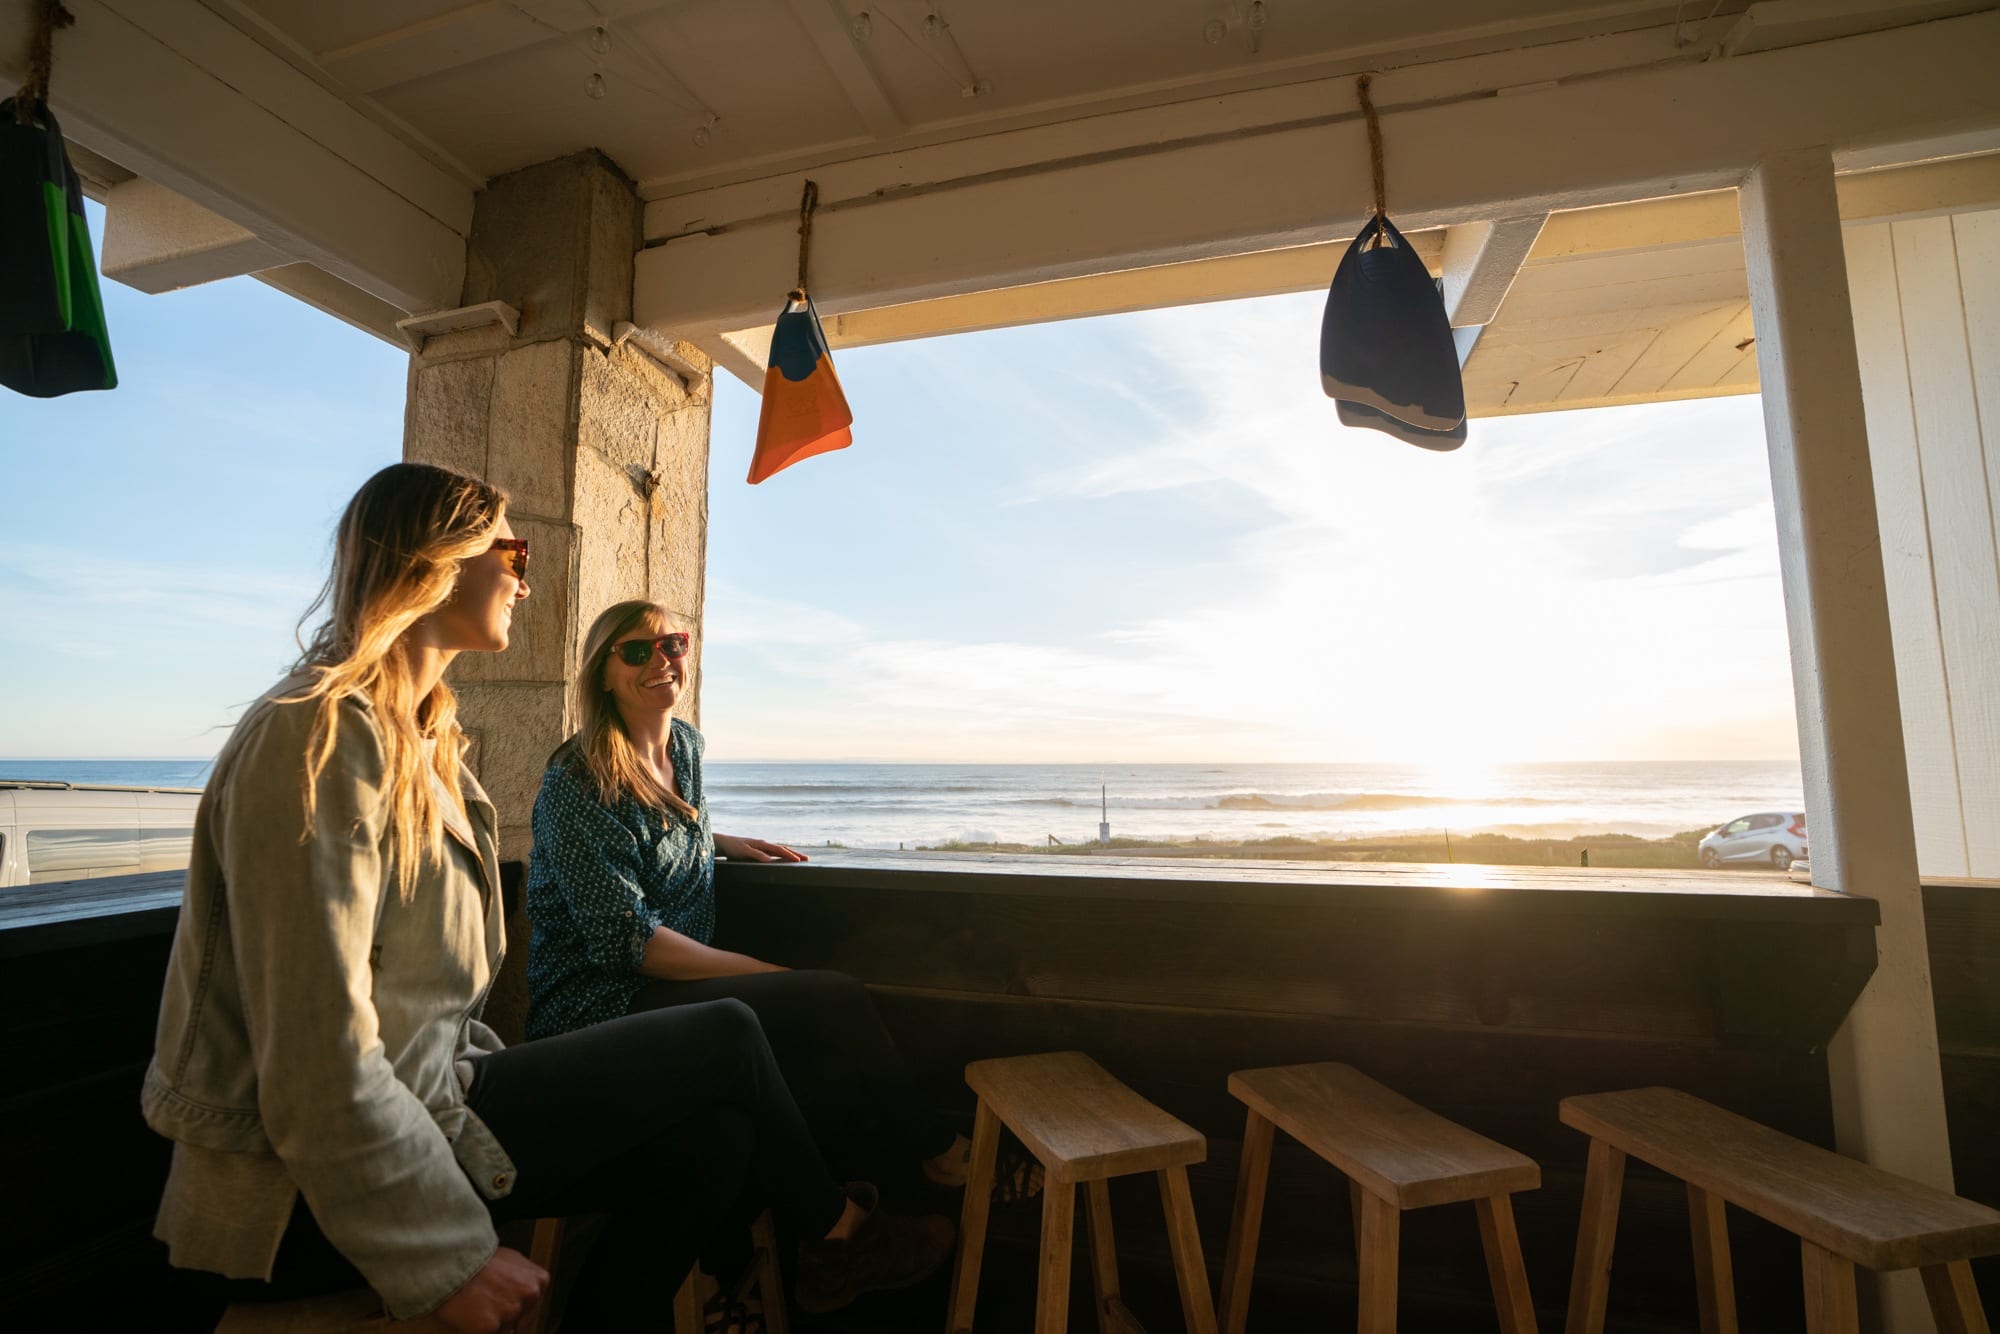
(494,1299)
(755,850)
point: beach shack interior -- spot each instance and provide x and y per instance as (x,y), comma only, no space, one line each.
(576,214)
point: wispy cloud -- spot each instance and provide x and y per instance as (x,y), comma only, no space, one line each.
(1551,591)
(47,589)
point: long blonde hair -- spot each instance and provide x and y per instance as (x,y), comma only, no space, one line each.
(601,743)
(396,559)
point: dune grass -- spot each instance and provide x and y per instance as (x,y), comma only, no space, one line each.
(1618,851)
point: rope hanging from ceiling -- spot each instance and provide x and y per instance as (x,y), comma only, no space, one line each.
(1374,156)
(808,202)
(49,16)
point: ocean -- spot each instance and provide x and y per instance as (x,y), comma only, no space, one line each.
(913,805)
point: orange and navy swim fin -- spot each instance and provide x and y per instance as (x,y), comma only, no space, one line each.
(804,411)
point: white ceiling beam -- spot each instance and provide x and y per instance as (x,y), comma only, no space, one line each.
(742,352)
(344,301)
(826,23)
(172,91)
(1886,97)
(1481,260)
(158,241)
(1955,185)
(1924,189)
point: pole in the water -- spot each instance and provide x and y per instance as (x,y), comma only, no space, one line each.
(1103,812)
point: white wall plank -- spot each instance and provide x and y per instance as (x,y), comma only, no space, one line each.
(1959,513)
(1906,559)
(1977,239)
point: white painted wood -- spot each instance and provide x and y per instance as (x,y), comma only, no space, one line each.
(344,301)
(1675,346)
(1481,261)
(1564,146)
(1600,373)
(1977,236)
(1906,551)
(1977,239)
(158,241)
(826,23)
(485,314)
(1888,1093)
(1609,252)
(1959,513)
(1722,358)
(983,143)
(158,86)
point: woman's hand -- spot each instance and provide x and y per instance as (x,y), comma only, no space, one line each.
(755,850)
(498,1296)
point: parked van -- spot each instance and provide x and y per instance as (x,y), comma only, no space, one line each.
(80,831)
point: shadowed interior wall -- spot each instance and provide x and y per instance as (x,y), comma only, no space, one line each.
(1486,1015)
(960,978)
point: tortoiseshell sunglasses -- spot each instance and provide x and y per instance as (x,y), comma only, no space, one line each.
(517,553)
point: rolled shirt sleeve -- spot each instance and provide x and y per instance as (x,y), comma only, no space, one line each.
(372,1163)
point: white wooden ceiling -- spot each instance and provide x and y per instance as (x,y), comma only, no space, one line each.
(1594,330)
(699,92)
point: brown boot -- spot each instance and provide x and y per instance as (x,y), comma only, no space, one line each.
(886,1251)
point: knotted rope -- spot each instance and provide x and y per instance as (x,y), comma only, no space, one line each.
(807,203)
(1374,156)
(41,55)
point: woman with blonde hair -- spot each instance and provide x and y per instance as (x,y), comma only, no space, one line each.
(621,892)
(339,1114)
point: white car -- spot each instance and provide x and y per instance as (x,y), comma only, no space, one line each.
(1772,838)
(82,831)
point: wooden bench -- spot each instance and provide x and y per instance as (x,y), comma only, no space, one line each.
(1843,1212)
(1396,1156)
(1085,1128)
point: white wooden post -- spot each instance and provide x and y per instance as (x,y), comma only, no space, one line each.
(1888,1093)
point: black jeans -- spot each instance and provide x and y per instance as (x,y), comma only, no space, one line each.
(675,1123)
(839,1061)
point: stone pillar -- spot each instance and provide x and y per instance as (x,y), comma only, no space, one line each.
(603,451)
(1888,1092)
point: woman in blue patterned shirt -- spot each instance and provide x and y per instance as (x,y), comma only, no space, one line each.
(621,892)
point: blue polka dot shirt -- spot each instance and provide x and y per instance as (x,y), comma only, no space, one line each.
(600,879)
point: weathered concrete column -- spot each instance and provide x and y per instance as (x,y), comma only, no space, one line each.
(603,450)
(1888,1093)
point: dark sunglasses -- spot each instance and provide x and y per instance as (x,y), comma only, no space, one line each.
(639,652)
(517,552)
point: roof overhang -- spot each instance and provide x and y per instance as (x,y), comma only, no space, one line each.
(336,152)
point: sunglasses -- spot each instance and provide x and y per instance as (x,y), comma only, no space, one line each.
(639,652)
(517,553)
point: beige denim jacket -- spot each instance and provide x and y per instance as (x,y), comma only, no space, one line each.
(313,1022)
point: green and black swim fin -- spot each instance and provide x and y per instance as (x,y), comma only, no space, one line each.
(52,335)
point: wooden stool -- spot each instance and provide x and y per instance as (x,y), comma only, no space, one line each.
(1843,1212)
(547,1252)
(1084,1127)
(1396,1156)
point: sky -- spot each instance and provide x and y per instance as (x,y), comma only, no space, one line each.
(1125,539)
